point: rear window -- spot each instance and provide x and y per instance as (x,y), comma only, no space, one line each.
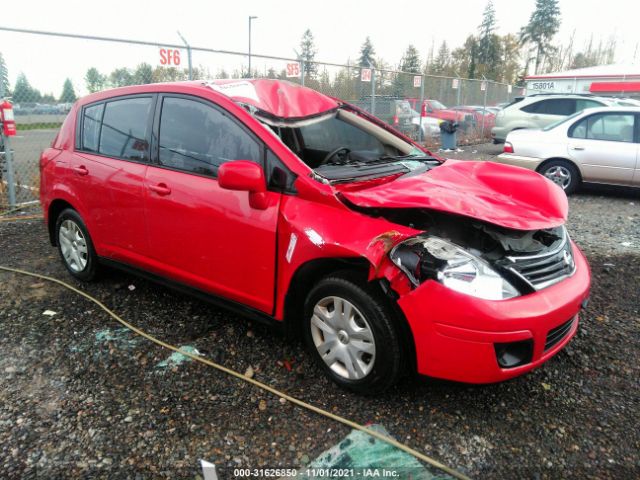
(125,127)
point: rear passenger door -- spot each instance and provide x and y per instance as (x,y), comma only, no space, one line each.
(605,146)
(108,167)
(199,233)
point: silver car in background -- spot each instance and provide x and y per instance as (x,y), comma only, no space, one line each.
(540,110)
(597,145)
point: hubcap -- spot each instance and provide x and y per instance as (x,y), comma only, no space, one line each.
(559,175)
(343,338)
(73,246)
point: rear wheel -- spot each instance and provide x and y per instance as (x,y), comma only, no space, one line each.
(562,173)
(352,333)
(75,245)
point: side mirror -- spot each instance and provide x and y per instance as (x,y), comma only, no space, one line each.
(245,175)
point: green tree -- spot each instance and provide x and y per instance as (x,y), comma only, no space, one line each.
(24,92)
(143,74)
(543,24)
(4,77)
(68,94)
(121,77)
(442,61)
(94,80)
(489,45)
(411,60)
(308,52)
(510,59)
(48,98)
(367,53)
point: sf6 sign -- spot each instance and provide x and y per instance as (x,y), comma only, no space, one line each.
(170,57)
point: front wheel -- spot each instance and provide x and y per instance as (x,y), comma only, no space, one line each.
(353,334)
(563,174)
(75,246)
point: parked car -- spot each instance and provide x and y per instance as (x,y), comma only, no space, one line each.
(307,212)
(430,125)
(540,110)
(435,109)
(599,145)
(483,118)
(392,111)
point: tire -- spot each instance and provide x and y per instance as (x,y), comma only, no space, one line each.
(372,336)
(75,246)
(562,173)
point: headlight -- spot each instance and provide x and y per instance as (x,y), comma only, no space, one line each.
(423,258)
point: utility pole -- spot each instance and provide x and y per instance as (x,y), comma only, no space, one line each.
(188,55)
(251,17)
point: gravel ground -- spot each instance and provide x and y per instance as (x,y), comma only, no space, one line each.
(81,398)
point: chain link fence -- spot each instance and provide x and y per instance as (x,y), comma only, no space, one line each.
(414,103)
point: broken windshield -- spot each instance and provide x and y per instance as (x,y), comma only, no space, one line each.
(344,146)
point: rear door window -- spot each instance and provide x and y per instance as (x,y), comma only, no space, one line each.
(198,138)
(125,129)
(552,106)
(611,127)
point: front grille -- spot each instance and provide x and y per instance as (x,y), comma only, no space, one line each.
(545,269)
(555,335)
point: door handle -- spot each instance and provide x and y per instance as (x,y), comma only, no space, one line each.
(81,170)
(577,148)
(161,189)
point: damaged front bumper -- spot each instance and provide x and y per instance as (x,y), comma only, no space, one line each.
(463,338)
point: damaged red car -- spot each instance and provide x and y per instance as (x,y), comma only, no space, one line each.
(291,206)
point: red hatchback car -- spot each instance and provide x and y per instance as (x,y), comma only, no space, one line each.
(295,207)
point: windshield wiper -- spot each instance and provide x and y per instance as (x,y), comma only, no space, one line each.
(411,156)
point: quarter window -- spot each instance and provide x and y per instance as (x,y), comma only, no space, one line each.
(198,138)
(125,129)
(91,122)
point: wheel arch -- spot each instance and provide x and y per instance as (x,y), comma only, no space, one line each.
(560,159)
(56,207)
(309,273)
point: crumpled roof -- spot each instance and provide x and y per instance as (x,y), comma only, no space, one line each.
(276,99)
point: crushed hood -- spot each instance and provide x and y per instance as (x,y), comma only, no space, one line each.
(277,100)
(511,197)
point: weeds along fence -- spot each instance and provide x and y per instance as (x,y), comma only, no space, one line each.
(47,71)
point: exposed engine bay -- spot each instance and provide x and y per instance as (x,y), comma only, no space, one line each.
(528,259)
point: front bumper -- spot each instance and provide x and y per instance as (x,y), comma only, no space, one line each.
(519,161)
(456,335)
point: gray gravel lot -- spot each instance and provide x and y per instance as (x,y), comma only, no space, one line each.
(81,399)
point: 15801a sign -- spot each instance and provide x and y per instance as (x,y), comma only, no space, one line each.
(542,86)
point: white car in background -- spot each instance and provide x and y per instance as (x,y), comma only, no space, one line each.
(430,126)
(596,145)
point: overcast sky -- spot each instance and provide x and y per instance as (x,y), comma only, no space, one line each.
(339,28)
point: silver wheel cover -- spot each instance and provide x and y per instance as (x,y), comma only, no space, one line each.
(343,338)
(73,246)
(559,175)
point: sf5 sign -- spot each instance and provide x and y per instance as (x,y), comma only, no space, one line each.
(170,57)
(293,70)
